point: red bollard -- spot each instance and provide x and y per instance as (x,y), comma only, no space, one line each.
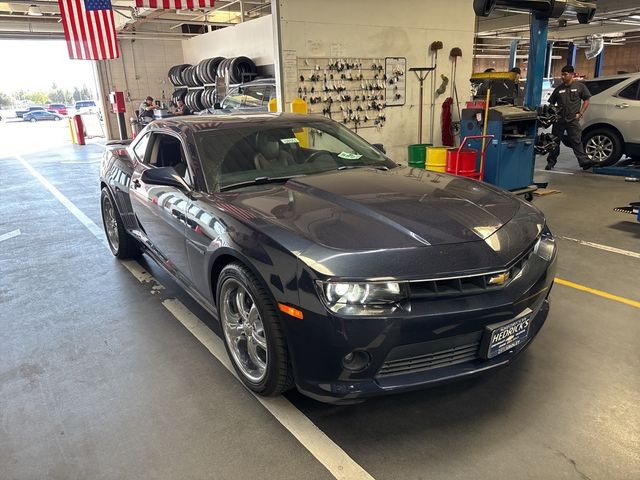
(79,129)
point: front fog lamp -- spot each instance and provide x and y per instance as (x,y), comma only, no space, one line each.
(351,297)
(545,246)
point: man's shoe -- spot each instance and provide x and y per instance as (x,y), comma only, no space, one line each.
(550,165)
(588,165)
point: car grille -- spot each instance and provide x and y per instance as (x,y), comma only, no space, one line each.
(454,354)
(469,285)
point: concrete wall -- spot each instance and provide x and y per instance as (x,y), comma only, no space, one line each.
(253,39)
(141,70)
(366,29)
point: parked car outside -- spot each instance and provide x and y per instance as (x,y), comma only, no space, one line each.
(86,106)
(40,115)
(59,108)
(20,113)
(329,266)
(611,124)
(249,97)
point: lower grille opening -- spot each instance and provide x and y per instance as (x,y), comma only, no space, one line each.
(431,355)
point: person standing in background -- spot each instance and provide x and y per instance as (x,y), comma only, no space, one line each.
(572,98)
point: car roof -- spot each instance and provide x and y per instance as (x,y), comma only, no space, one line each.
(613,77)
(214,122)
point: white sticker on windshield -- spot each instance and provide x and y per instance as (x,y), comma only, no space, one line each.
(289,140)
(349,156)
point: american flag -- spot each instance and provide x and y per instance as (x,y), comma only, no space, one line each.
(175,4)
(89,29)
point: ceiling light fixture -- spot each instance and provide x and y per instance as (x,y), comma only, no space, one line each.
(34,11)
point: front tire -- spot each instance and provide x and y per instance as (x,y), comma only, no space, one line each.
(33,120)
(603,146)
(252,332)
(122,244)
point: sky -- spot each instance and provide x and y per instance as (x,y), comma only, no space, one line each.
(32,65)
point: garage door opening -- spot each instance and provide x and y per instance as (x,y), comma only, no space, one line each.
(40,89)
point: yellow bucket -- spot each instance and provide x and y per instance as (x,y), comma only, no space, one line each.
(436,159)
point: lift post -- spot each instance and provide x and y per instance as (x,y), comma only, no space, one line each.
(539,32)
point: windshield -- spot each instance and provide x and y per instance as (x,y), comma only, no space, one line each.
(235,156)
(247,97)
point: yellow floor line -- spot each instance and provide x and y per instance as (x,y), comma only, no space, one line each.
(599,293)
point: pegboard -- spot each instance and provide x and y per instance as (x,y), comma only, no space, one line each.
(395,69)
(352,91)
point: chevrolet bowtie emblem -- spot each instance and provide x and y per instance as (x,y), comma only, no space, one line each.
(499,279)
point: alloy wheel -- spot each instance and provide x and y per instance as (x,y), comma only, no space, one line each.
(599,148)
(110,223)
(244,330)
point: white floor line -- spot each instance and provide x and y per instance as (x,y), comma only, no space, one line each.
(8,235)
(82,218)
(330,455)
(601,247)
(554,171)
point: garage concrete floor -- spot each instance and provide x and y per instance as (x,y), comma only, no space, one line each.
(99,380)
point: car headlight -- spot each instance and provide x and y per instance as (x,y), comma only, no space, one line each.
(546,245)
(374,298)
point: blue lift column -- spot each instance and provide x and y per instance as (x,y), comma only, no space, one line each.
(599,65)
(513,51)
(539,32)
(571,54)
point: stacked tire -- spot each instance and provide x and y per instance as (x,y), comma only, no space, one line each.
(207,69)
(208,97)
(175,74)
(237,69)
(193,100)
(186,77)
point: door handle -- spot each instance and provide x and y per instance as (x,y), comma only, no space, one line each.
(622,105)
(136,183)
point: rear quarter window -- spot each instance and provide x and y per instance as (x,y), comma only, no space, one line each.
(598,86)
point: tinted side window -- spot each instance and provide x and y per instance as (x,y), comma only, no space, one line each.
(141,147)
(631,91)
(597,86)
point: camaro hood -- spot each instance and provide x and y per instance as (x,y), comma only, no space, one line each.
(364,209)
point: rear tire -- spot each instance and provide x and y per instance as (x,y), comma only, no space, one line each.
(122,244)
(33,120)
(603,146)
(252,332)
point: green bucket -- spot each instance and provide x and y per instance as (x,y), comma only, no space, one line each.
(418,155)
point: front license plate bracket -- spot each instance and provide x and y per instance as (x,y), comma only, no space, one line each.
(502,337)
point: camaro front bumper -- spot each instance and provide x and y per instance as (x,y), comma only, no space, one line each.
(437,341)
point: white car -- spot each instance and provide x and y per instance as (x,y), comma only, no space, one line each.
(611,125)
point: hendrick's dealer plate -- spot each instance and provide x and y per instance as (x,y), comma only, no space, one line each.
(501,337)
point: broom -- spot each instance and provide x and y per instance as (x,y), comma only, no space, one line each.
(434,47)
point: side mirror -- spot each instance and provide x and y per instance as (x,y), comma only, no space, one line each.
(380,147)
(217,106)
(164,176)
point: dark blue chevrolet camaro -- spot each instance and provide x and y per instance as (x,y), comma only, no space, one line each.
(330,267)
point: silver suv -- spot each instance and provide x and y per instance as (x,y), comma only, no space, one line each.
(611,125)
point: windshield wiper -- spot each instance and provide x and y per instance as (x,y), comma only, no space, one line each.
(377,167)
(258,181)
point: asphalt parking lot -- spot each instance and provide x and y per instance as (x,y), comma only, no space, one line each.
(108,370)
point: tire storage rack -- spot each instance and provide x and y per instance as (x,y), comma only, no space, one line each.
(195,84)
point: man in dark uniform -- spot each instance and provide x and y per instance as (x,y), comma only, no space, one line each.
(145,111)
(181,108)
(573,100)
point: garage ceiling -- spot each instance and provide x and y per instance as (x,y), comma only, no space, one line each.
(17,22)
(617,20)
